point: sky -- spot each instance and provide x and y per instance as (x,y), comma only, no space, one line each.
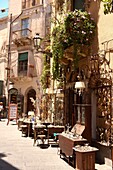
(3,5)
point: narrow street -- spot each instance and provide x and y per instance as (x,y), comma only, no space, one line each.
(18,153)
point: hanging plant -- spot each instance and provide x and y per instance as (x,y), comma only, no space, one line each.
(80,27)
(77,28)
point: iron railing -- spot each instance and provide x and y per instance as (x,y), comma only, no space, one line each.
(25,72)
(21,33)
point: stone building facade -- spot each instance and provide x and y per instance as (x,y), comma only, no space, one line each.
(91,107)
(24,64)
(3,59)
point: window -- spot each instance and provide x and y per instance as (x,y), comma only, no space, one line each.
(26,4)
(80,116)
(36,2)
(22,63)
(78,4)
(1,87)
(25,26)
(80,108)
(30,3)
(33,2)
(23,4)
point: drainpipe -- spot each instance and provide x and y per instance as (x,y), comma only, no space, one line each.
(9,51)
(9,46)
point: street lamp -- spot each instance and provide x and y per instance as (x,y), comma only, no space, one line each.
(37,45)
(37,41)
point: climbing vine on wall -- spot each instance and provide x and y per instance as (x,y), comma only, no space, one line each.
(76,28)
(45,72)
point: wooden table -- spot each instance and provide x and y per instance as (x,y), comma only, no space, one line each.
(66,145)
(85,157)
(28,124)
(46,124)
(22,127)
(55,129)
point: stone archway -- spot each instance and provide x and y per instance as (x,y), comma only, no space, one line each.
(31,94)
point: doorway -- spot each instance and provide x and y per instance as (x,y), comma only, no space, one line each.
(31,94)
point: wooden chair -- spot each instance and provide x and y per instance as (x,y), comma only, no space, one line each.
(24,129)
(40,135)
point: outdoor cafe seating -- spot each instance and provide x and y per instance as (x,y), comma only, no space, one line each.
(44,133)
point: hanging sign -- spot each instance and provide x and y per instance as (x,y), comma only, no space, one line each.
(12,114)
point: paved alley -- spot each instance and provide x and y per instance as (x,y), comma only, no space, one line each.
(18,153)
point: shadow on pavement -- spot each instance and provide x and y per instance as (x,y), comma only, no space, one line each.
(5,165)
(2,155)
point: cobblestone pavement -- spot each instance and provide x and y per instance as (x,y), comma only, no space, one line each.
(18,153)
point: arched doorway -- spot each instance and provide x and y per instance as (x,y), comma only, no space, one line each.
(31,94)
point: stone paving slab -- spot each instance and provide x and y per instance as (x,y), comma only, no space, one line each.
(18,153)
(102,167)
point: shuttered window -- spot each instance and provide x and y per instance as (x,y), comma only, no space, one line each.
(22,62)
(25,27)
(23,56)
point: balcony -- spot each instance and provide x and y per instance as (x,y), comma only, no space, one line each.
(22,37)
(30,3)
(22,76)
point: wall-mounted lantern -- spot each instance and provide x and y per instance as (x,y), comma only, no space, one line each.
(80,84)
(37,41)
(37,45)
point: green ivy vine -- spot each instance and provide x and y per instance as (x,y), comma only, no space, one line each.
(77,28)
(45,72)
